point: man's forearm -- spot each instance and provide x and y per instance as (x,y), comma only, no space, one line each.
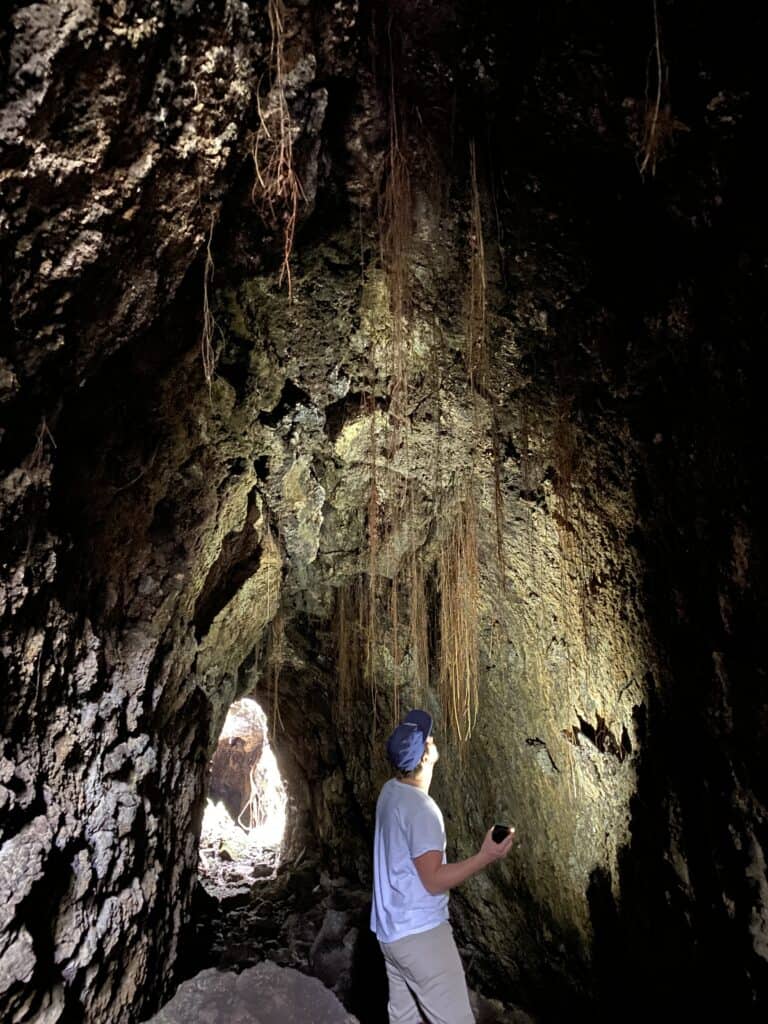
(448,876)
(438,878)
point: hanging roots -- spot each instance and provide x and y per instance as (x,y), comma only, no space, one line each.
(369,609)
(477,326)
(395,229)
(659,123)
(349,660)
(207,349)
(44,435)
(264,800)
(395,216)
(275,661)
(458,582)
(277,190)
(394,617)
(477,351)
(395,238)
(418,625)
(275,645)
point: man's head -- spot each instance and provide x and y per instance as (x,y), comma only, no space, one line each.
(410,746)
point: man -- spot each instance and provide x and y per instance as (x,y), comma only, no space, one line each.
(411,880)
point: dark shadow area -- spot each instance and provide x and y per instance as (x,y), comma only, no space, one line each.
(676,937)
(368,993)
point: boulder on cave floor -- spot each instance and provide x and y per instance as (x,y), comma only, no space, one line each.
(491,1011)
(264,994)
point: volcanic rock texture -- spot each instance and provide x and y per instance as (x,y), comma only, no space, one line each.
(504,408)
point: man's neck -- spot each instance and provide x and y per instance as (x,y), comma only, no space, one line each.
(421,781)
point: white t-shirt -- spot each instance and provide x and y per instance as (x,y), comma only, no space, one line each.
(408,823)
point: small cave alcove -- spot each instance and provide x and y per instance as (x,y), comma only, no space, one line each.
(246,806)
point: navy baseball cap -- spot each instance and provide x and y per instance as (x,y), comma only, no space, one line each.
(406,744)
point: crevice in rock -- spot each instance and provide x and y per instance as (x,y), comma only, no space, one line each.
(542,751)
(347,409)
(290,396)
(601,737)
(238,560)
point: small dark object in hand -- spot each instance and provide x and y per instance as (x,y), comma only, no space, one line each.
(500,833)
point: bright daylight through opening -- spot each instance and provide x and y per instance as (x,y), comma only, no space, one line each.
(245,813)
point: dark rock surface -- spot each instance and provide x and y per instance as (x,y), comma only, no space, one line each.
(169,546)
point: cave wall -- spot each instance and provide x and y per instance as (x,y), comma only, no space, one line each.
(120,123)
(168,547)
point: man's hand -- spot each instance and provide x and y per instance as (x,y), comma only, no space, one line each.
(437,877)
(491,851)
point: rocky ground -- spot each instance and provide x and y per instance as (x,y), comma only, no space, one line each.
(295,916)
(231,857)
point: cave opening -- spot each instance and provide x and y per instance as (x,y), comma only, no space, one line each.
(245,812)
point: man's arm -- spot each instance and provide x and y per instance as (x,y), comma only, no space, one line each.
(437,877)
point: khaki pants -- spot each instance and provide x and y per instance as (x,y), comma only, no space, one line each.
(426,979)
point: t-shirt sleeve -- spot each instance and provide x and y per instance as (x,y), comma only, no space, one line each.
(424,832)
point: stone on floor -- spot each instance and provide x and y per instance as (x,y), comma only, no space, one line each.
(264,994)
(491,1011)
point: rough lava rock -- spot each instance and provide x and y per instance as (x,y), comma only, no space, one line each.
(264,994)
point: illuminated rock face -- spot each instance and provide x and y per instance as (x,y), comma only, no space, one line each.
(167,548)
